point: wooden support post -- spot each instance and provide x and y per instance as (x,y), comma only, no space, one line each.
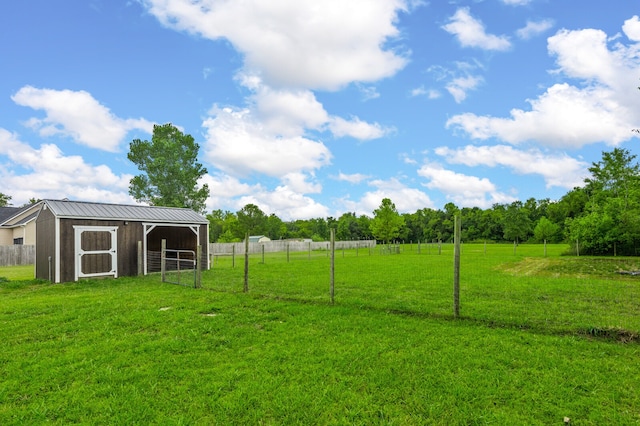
(163,262)
(140,259)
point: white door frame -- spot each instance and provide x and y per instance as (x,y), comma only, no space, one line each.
(79,252)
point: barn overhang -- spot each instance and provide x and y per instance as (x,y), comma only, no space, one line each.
(149,227)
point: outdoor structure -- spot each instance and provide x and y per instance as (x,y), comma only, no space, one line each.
(258,239)
(18,225)
(81,239)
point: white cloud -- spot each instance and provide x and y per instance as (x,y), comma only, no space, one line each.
(286,203)
(565,116)
(558,170)
(303,44)
(418,91)
(239,145)
(603,108)
(288,112)
(354,178)
(458,81)
(533,28)
(299,182)
(406,199)
(357,128)
(583,54)
(458,87)
(224,187)
(631,28)
(516,2)
(54,175)
(79,116)
(462,190)
(368,92)
(470,32)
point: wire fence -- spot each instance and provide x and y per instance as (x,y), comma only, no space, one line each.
(526,286)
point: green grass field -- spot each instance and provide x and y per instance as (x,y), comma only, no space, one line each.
(540,339)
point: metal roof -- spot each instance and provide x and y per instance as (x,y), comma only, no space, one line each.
(101,211)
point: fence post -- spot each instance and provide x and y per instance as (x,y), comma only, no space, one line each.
(198,282)
(263,254)
(163,262)
(246,263)
(140,258)
(287,252)
(456,268)
(333,263)
(233,255)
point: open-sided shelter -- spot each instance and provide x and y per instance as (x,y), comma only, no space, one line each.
(82,239)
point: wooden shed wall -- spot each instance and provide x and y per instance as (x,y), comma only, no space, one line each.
(128,237)
(45,245)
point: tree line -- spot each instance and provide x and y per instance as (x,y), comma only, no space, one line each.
(600,218)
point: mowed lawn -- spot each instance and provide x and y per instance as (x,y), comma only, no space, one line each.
(136,351)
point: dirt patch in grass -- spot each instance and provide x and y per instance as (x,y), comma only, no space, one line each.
(530,266)
(573,266)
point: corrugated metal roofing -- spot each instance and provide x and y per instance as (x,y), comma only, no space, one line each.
(101,211)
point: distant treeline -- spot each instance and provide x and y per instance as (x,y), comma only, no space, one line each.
(602,217)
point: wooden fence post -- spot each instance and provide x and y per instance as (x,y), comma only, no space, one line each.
(198,282)
(456,268)
(333,263)
(246,263)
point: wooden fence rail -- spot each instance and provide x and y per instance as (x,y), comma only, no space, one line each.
(17,255)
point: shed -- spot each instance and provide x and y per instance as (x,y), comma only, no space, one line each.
(77,239)
(258,239)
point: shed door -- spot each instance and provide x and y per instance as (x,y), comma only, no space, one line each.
(96,251)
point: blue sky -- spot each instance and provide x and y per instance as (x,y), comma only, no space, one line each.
(313,109)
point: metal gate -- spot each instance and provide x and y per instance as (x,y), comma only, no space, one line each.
(96,251)
(179,267)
